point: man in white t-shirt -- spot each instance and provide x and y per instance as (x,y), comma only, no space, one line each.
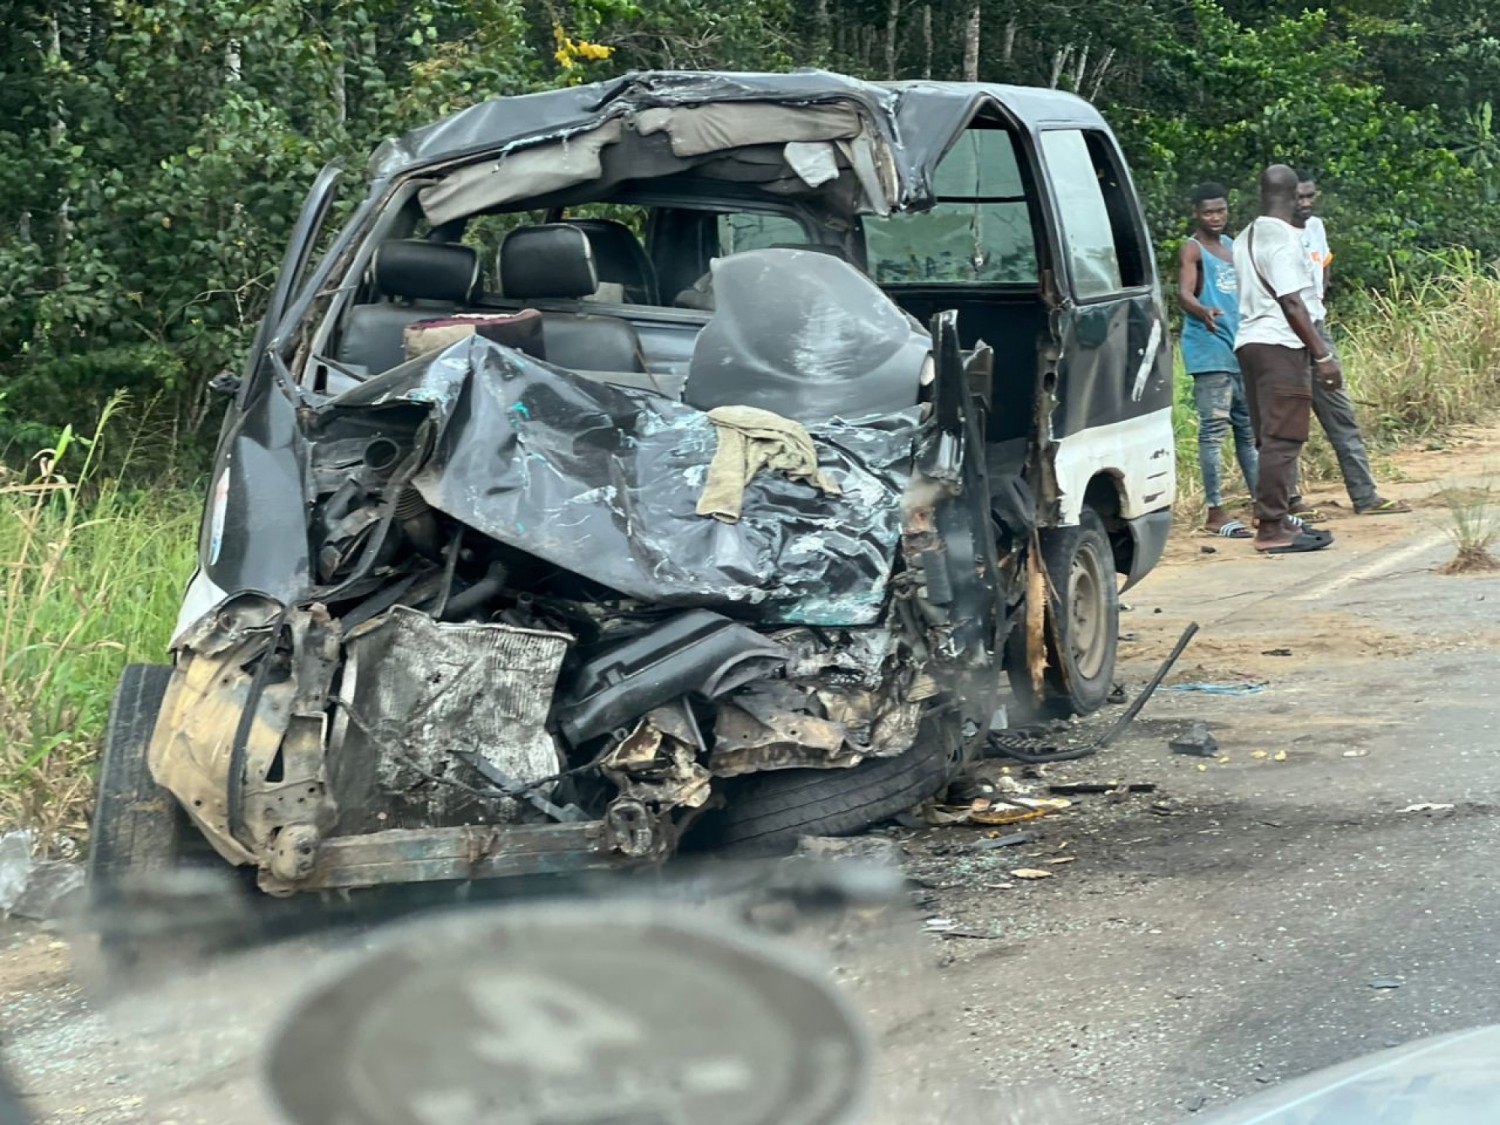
(1334,408)
(1280,353)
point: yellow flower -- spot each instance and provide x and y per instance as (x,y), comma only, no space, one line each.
(564,59)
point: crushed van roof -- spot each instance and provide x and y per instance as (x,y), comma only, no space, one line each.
(917,119)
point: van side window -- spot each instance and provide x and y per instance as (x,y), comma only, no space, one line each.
(1104,240)
(979,231)
(752,231)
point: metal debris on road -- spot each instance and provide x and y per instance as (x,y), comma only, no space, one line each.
(1029,747)
(1427,806)
(949,927)
(1150,689)
(1197,742)
(993,842)
(1385,983)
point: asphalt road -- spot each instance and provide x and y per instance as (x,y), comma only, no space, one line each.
(1205,940)
(1185,960)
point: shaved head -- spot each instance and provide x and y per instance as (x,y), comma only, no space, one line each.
(1278,191)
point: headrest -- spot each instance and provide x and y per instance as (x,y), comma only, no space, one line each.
(426,271)
(619,257)
(552,260)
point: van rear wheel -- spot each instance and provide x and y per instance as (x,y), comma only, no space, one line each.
(1083,614)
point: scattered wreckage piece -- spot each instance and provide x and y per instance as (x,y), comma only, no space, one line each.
(1196,742)
(996,811)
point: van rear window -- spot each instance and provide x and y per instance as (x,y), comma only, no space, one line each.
(979,232)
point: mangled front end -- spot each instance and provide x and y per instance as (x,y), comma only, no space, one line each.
(533,641)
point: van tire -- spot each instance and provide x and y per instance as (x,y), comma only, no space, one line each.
(1084,607)
(137,825)
(767,813)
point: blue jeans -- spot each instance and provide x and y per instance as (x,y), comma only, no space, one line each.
(1220,398)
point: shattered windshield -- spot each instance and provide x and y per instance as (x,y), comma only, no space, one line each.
(979,231)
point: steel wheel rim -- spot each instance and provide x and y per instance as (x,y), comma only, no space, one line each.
(1087,633)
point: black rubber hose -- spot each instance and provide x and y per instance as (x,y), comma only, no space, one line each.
(1002,750)
(488,587)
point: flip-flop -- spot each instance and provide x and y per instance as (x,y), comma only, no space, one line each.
(1304,542)
(1383,507)
(1231,529)
(1309,515)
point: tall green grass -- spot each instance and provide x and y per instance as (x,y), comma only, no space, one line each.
(90,576)
(1419,358)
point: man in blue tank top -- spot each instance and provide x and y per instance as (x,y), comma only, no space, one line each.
(1207,289)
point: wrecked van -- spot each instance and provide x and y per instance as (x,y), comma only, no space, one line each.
(685,458)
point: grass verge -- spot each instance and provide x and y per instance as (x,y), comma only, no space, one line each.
(1474,529)
(90,576)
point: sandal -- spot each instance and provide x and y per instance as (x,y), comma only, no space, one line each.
(1231,529)
(1383,507)
(1308,514)
(1304,542)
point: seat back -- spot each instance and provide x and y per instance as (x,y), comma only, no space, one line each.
(591,343)
(415,280)
(619,258)
(549,261)
(555,262)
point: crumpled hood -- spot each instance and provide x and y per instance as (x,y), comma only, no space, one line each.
(605,481)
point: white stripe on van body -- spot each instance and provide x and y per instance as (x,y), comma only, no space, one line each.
(1139,452)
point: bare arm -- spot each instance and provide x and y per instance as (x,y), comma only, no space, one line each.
(1189,281)
(1302,323)
(1329,370)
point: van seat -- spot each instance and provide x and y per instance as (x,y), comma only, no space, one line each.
(415,280)
(554,263)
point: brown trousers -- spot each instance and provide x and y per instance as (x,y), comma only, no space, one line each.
(1278,389)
